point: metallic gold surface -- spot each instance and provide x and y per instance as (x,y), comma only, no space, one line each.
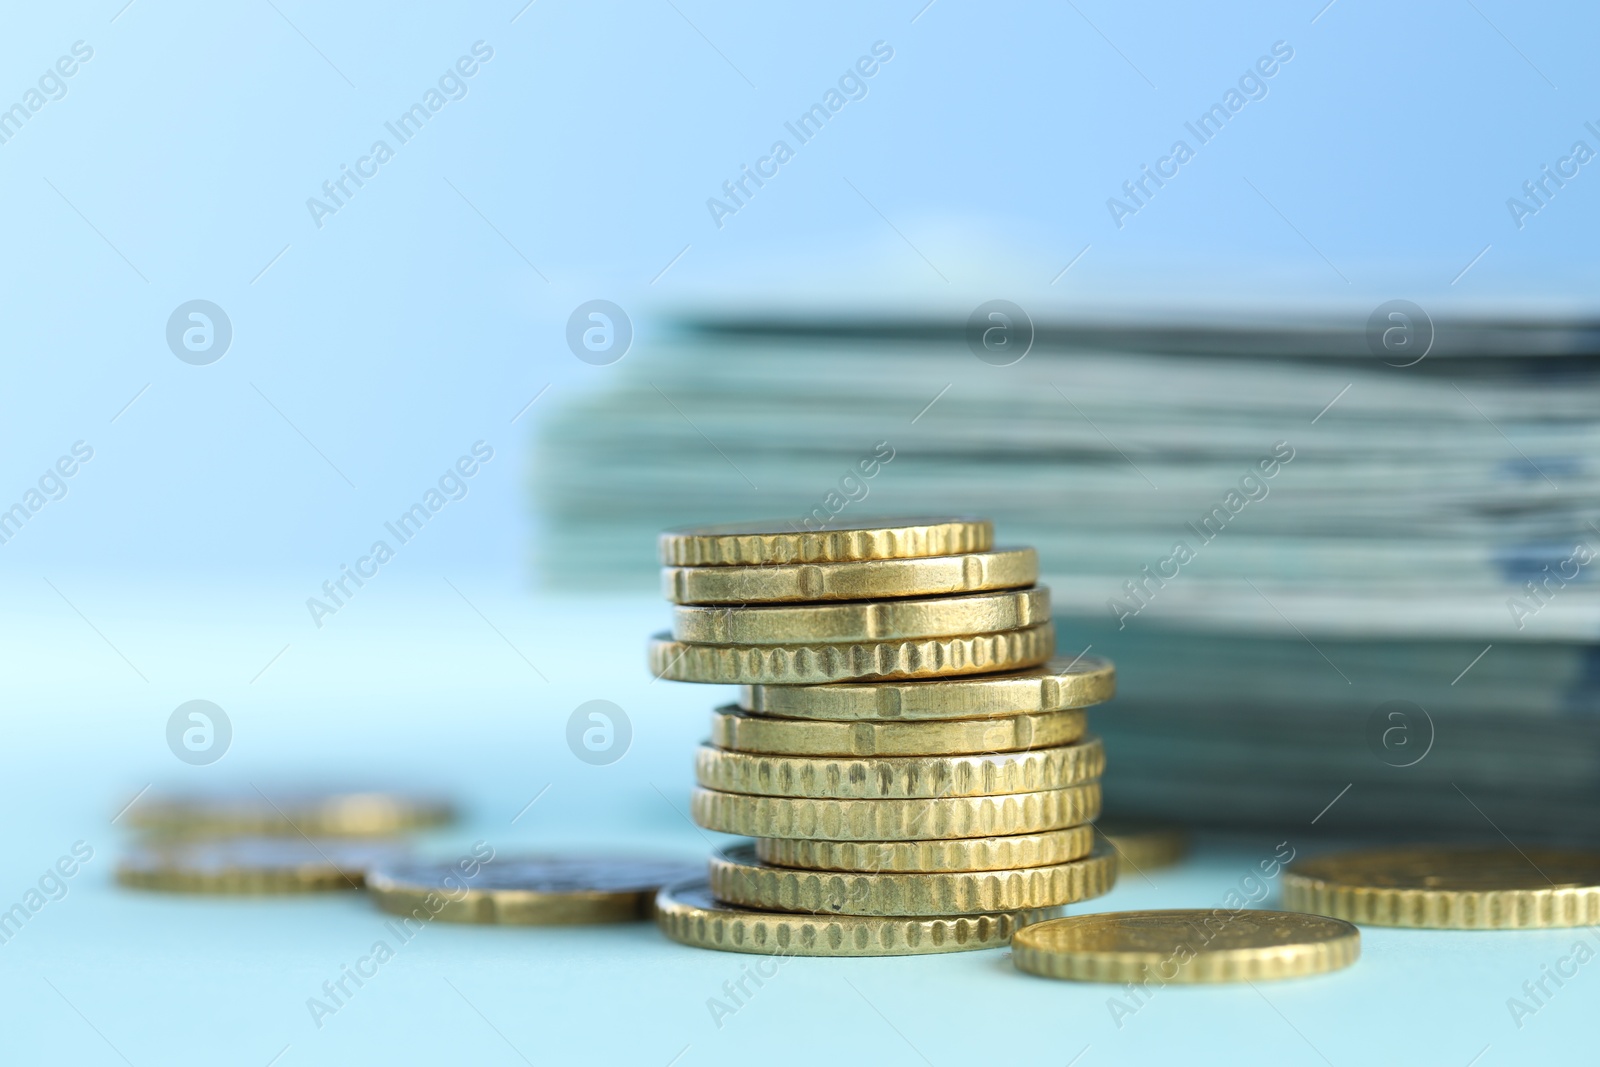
(895,820)
(756,543)
(283,812)
(689,914)
(737,877)
(1188,946)
(874,620)
(528,890)
(1064,682)
(818,664)
(976,572)
(899,776)
(1450,888)
(1143,846)
(741,732)
(961,854)
(252,865)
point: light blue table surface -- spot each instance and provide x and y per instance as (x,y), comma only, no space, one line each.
(427,692)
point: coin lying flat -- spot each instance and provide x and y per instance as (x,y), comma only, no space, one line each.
(689,914)
(1143,846)
(816,664)
(895,820)
(873,620)
(975,572)
(1041,849)
(899,776)
(1187,946)
(1450,888)
(1064,682)
(737,877)
(253,811)
(779,541)
(528,890)
(253,864)
(740,732)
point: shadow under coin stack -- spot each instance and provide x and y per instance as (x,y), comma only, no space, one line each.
(907,755)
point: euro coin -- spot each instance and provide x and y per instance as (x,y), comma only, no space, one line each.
(875,620)
(1002,853)
(975,572)
(733,729)
(1143,846)
(1450,888)
(689,914)
(526,890)
(816,664)
(1064,682)
(780,542)
(253,811)
(1186,946)
(899,776)
(895,820)
(738,877)
(248,865)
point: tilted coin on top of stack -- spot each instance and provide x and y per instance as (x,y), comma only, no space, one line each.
(910,759)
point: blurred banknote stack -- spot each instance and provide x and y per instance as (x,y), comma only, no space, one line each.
(1347,569)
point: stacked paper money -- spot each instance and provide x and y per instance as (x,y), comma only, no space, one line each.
(1316,568)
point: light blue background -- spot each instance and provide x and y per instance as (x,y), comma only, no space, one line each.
(177,167)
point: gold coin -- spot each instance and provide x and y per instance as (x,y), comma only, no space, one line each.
(900,776)
(1186,946)
(737,877)
(526,890)
(1003,568)
(780,542)
(1143,846)
(276,812)
(1062,683)
(876,620)
(895,820)
(252,864)
(1450,888)
(735,730)
(689,914)
(816,664)
(1042,849)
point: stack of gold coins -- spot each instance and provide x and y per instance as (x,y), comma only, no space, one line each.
(909,758)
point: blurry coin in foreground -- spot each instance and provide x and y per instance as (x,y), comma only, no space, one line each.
(688,913)
(1199,945)
(1450,888)
(315,814)
(250,865)
(528,890)
(1144,846)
